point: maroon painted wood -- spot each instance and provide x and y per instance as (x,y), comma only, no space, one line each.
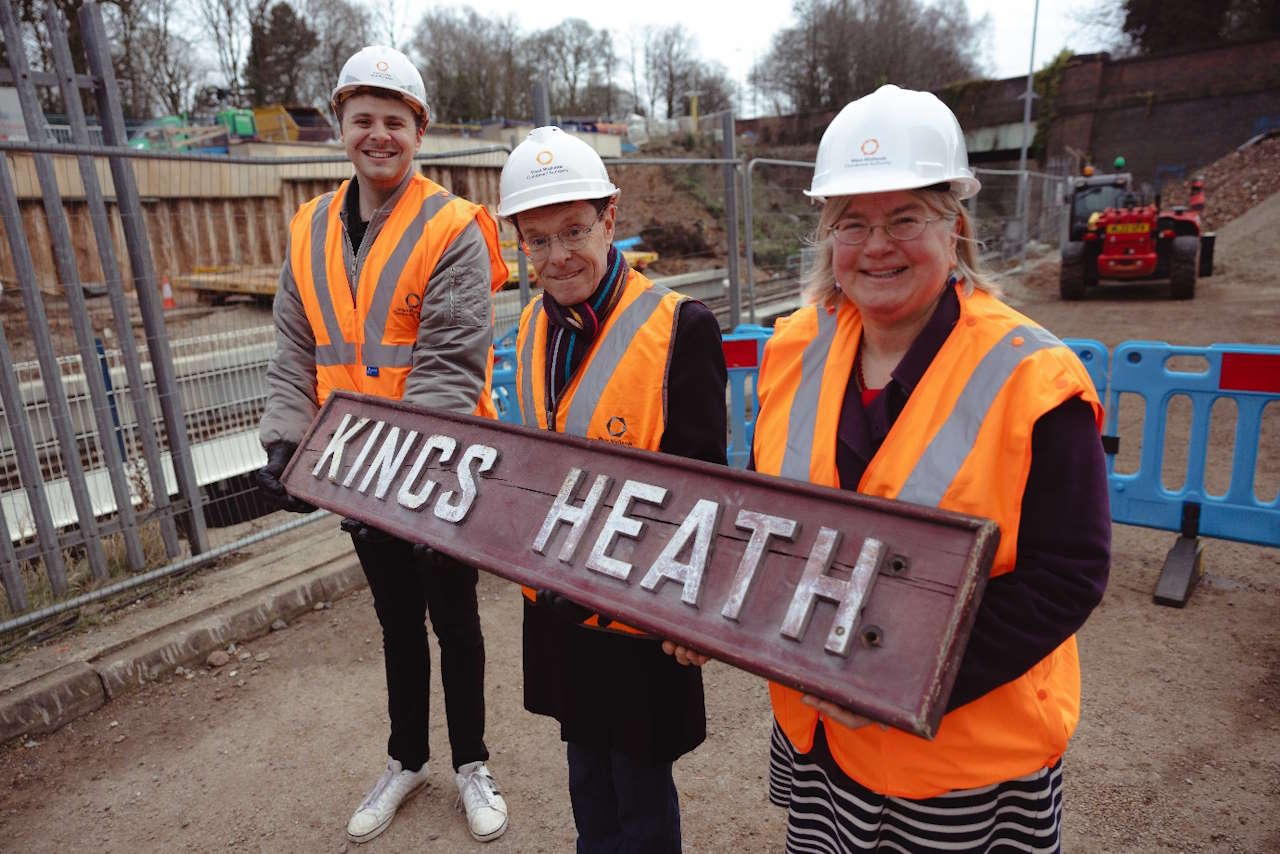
(922,569)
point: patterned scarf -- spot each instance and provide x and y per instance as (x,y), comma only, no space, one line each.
(572,328)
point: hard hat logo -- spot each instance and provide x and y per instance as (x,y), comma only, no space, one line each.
(382,65)
(545,157)
(870,146)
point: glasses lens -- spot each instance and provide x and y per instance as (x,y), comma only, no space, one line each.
(575,237)
(850,233)
(906,229)
(537,247)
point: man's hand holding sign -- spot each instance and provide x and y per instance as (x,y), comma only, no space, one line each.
(864,602)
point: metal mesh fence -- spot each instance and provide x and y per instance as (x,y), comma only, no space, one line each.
(217,230)
(783,220)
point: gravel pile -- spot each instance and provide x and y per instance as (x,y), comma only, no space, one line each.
(1233,184)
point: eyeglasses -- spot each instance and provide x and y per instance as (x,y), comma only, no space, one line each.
(572,238)
(907,227)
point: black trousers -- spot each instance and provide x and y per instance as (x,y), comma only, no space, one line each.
(622,805)
(404,592)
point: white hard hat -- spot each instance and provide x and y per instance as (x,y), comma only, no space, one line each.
(382,67)
(551,167)
(892,139)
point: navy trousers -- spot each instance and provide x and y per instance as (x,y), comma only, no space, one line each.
(622,806)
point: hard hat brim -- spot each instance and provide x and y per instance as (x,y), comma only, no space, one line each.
(575,191)
(962,186)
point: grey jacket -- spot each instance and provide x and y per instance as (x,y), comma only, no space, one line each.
(454,333)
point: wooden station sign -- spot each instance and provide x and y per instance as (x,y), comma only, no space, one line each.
(859,600)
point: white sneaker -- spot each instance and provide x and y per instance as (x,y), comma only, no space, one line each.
(379,806)
(478,794)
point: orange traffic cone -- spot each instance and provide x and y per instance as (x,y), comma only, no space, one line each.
(166,291)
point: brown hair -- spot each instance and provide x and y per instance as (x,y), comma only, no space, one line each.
(818,285)
(377,92)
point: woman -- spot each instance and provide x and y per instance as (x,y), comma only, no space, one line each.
(927,389)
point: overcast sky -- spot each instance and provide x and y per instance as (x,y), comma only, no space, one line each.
(739,33)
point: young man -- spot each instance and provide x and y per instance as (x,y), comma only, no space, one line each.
(386,290)
(607,354)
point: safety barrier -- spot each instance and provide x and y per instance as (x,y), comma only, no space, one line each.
(1248,376)
(743,348)
(1093,355)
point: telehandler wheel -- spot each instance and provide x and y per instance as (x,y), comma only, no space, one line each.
(1182,267)
(1072,277)
(1206,254)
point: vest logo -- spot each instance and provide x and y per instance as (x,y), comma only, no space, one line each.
(870,146)
(616,426)
(412,305)
(544,157)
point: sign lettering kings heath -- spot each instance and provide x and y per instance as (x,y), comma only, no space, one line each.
(863,601)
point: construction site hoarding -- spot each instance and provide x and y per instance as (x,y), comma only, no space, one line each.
(859,600)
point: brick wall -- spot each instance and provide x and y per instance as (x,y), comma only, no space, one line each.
(1166,114)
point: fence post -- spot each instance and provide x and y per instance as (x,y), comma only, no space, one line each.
(749,224)
(541,109)
(731,216)
(115,291)
(64,262)
(130,207)
(24,447)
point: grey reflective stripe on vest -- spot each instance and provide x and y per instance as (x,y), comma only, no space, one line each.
(338,351)
(938,465)
(374,352)
(607,356)
(526,359)
(804,408)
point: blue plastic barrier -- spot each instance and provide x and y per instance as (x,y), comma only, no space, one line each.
(1093,355)
(743,348)
(1249,375)
(504,376)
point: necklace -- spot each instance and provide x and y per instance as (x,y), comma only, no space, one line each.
(857,366)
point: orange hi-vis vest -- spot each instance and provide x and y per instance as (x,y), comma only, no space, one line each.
(618,394)
(962,443)
(365,335)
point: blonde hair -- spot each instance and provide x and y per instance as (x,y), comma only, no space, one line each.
(818,285)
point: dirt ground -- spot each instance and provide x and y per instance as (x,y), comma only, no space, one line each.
(1178,749)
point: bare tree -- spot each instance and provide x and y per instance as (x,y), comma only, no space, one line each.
(227,22)
(839,50)
(716,90)
(669,53)
(341,27)
(472,65)
(571,52)
(390,22)
(172,72)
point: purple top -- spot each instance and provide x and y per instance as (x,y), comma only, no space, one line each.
(1064,537)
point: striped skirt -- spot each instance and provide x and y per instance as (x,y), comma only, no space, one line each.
(829,813)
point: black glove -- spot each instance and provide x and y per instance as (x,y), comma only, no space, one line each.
(364,533)
(568,610)
(268,479)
